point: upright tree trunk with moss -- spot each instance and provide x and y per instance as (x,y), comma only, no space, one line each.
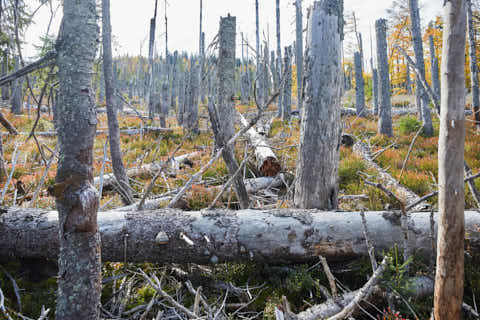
(79,280)
(473,64)
(299,50)
(359,86)
(113,128)
(424,107)
(317,166)
(287,89)
(17,96)
(225,109)
(449,277)
(385,119)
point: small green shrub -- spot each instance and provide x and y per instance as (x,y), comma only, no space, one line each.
(409,124)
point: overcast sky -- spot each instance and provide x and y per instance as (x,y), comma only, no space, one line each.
(130,21)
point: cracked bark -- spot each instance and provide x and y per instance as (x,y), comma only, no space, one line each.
(79,281)
(317,165)
(449,277)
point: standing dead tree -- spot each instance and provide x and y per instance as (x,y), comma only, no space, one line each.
(299,51)
(385,108)
(449,277)
(77,200)
(151,47)
(113,127)
(222,115)
(473,65)
(317,177)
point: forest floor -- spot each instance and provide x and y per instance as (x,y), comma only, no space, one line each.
(254,290)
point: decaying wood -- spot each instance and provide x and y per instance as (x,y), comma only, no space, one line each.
(273,236)
(4,121)
(386,179)
(267,162)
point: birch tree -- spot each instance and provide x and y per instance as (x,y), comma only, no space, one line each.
(317,166)
(79,281)
(449,277)
(113,128)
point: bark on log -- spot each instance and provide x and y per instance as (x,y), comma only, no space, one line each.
(275,236)
(267,162)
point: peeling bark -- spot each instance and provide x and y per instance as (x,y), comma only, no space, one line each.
(271,236)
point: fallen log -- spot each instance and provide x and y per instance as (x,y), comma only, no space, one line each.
(129,132)
(109,179)
(10,128)
(386,179)
(273,236)
(267,162)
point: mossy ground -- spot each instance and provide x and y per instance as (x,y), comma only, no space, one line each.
(301,283)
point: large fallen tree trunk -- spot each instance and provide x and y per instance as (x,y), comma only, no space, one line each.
(273,236)
(386,179)
(267,162)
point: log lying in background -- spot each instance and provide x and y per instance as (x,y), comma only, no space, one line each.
(386,179)
(100,132)
(273,236)
(109,179)
(267,162)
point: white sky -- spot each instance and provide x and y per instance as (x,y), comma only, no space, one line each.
(130,21)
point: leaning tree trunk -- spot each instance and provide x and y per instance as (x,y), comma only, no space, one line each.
(418,48)
(113,128)
(17,96)
(225,111)
(299,51)
(449,277)
(317,166)
(473,65)
(79,280)
(385,119)
(359,86)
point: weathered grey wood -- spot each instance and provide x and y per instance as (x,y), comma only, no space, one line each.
(271,236)
(375,88)
(5,87)
(385,104)
(299,50)
(17,91)
(257,37)
(190,116)
(435,72)
(359,85)
(113,127)
(151,46)
(279,57)
(287,86)
(317,166)
(473,64)
(223,116)
(420,64)
(5,123)
(164,105)
(174,87)
(267,162)
(449,276)
(77,200)
(408,81)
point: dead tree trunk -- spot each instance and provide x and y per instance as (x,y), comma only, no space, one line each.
(287,86)
(359,85)
(279,58)
(77,201)
(317,177)
(385,119)
(299,51)
(190,117)
(164,105)
(375,88)
(225,112)
(408,81)
(449,277)
(434,69)
(17,96)
(175,236)
(418,48)
(151,47)
(473,65)
(113,128)
(5,95)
